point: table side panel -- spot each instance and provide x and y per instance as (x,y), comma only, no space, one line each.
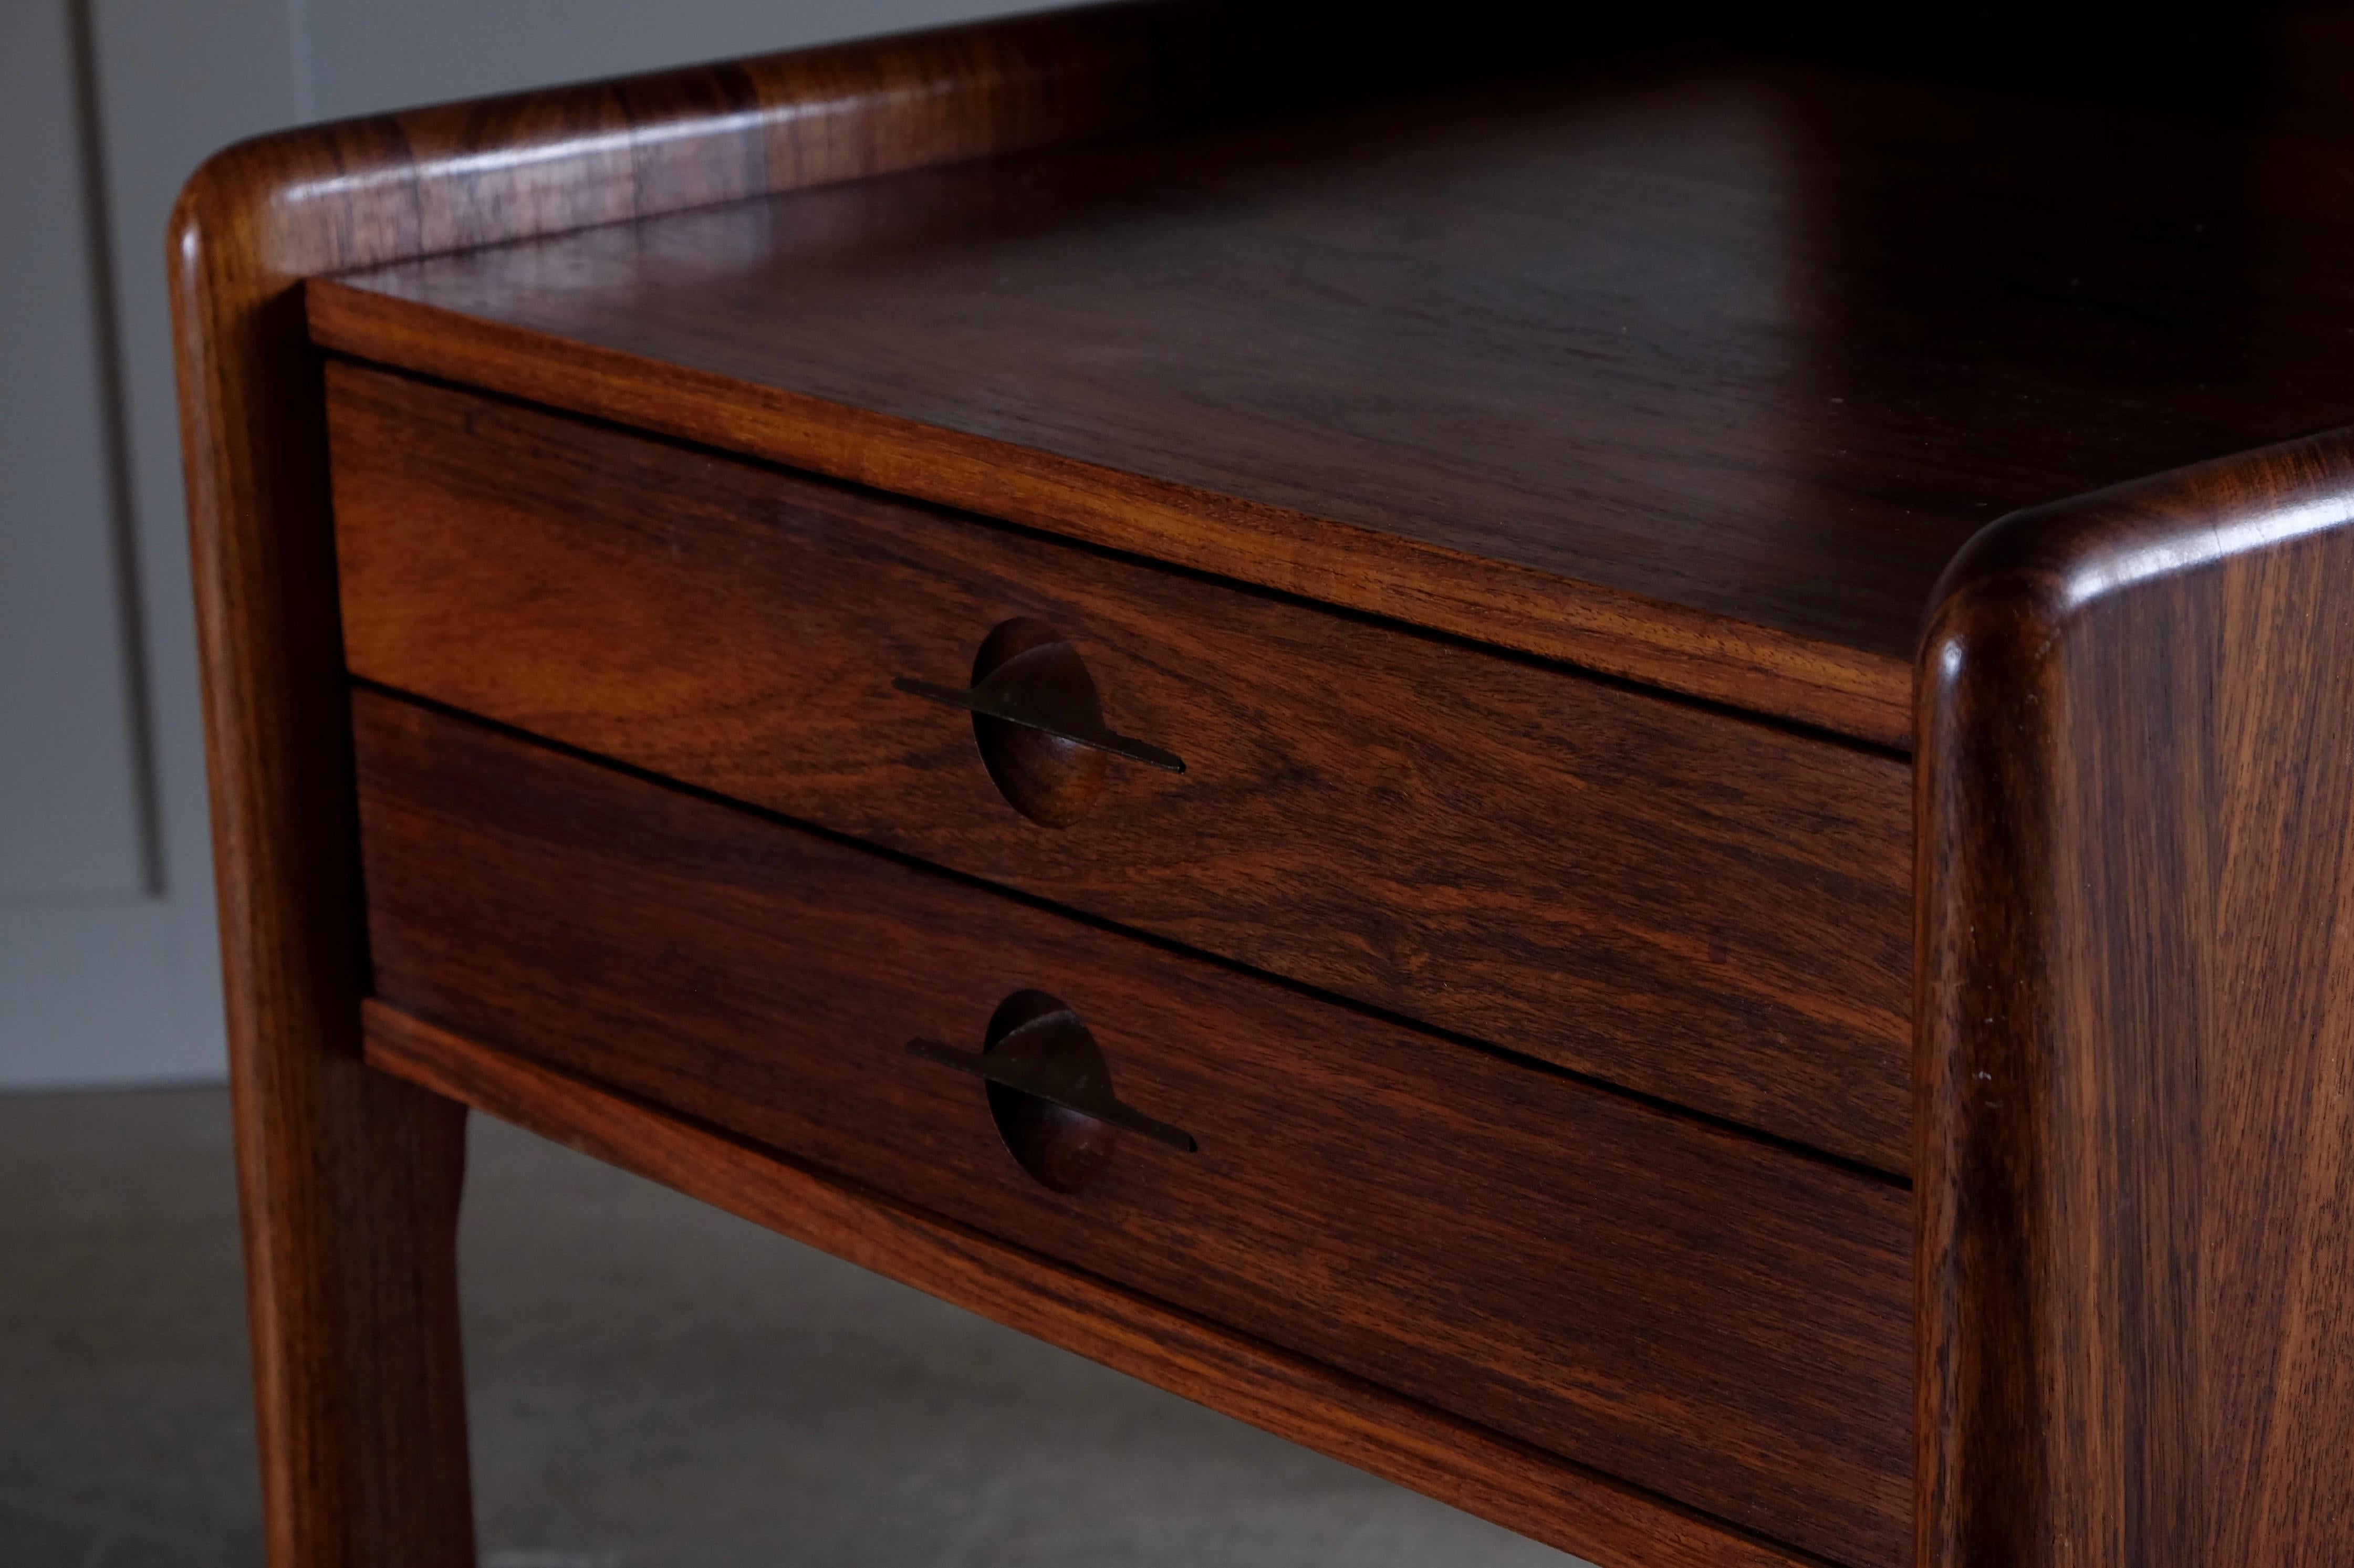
(2138,1027)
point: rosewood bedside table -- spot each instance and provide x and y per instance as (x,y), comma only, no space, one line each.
(1261,706)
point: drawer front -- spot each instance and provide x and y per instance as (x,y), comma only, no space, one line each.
(1707,1315)
(1696,907)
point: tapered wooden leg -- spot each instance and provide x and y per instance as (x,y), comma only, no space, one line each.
(350,1180)
(351,1184)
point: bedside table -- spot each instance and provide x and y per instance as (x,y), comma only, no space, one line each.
(1261,706)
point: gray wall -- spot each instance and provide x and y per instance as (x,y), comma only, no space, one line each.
(107,972)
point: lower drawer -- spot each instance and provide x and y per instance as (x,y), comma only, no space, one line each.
(1716,1319)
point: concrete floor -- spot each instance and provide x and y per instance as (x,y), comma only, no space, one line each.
(654,1385)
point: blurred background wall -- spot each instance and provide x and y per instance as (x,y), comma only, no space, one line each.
(107,965)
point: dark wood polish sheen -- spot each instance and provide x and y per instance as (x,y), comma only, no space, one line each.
(1244,685)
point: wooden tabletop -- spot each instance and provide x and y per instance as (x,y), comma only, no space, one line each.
(1692,368)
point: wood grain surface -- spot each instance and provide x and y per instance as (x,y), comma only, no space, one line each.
(2138,1028)
(1471,1467)
(1703,909)
(1708,1317)
(1972,302)
(1664,367)
(348,1177)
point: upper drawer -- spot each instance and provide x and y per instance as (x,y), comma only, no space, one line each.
(1695,905)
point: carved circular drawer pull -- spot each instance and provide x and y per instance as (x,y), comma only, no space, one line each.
(1039,722)
(1050,1091)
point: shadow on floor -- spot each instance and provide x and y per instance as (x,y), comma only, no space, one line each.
(654,1385)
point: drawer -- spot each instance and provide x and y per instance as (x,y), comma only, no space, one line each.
(1703,909)
(1706,1314)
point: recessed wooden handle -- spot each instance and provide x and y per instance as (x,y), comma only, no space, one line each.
(1050,1090)
(1039,722)
(1047,689)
